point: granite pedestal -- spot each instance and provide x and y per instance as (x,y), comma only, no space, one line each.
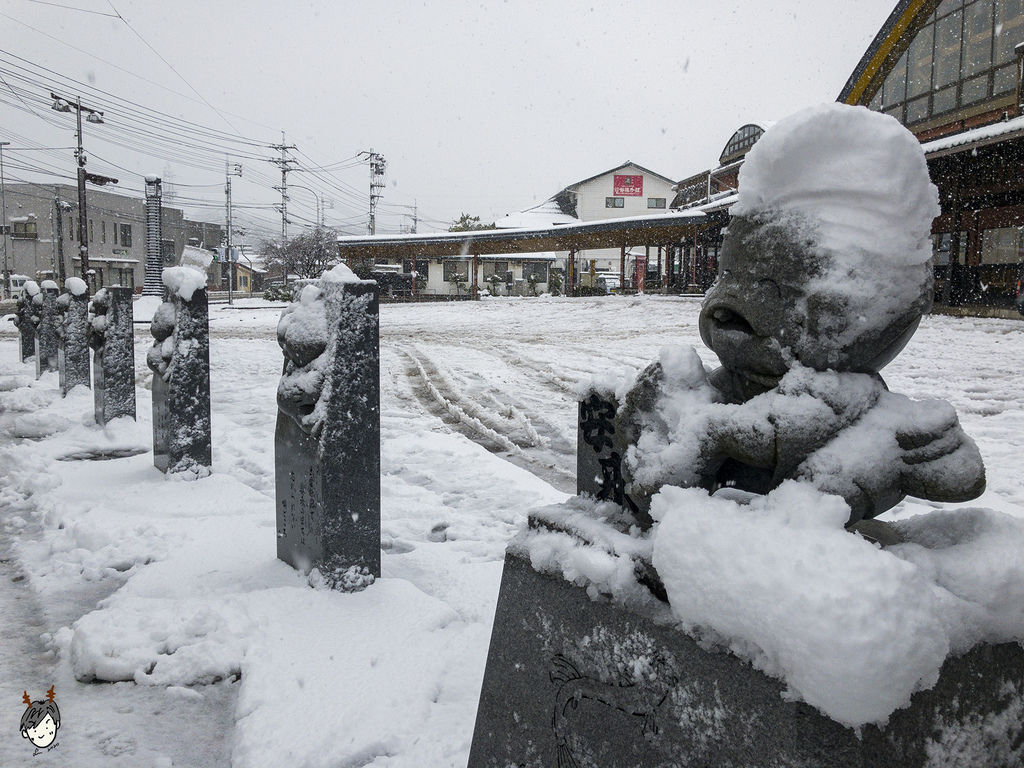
(181,391)
(328,475)
(113,344)
(574,683)
(26,328)
(73,346)
(46,333)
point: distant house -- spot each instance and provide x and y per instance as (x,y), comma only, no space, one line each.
(626,190)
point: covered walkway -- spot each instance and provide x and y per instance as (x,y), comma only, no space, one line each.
(657,231)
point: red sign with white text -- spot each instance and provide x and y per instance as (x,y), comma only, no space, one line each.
(628,186)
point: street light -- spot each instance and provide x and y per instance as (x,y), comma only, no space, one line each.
(319,206)
(60,104)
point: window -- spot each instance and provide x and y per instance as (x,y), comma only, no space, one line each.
(456,270)
(1009,29)
(126,235)
(491,268)
(90,230)
(655,202)
(1001,246)
(24,230)
(535,271)
(103,231)
(615,202)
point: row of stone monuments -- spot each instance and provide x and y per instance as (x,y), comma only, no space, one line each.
(58,329)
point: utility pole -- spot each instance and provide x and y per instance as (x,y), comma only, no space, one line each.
(61,104)
(284,163)
(53,234)
(229,171)
(3,205)
(59,206)
(378,165)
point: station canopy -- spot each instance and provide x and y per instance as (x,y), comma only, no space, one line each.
(652,230)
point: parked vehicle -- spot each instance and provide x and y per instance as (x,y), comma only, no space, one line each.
(17,285)
(608,283)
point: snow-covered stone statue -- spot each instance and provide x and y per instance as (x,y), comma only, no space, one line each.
(45,304)
(26,318)
(180,361)
(73,335)
(112,339)
(824,274)
(717,592)
(328,431)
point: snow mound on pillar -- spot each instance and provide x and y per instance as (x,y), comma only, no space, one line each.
(184,281)
(852,629)
(858,175)
(76,286)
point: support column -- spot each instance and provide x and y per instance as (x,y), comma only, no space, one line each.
(622,268)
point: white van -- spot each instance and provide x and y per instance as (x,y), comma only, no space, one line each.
(608,283)
(17,285)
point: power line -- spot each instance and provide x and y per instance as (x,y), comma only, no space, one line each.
(170,66)
(73,8)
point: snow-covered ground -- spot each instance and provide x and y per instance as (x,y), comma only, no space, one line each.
(112,572)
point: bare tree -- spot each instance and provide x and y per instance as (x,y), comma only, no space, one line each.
(305,256)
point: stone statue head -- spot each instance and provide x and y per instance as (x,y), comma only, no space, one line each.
(826,259)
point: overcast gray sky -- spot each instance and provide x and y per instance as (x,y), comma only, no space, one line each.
(477,107)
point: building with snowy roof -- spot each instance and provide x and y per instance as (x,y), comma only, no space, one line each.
(950,71)
(693,264)
(115,232)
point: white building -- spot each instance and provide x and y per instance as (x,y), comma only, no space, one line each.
(626,190)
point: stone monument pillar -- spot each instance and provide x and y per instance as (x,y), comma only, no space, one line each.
(112,338)
(328,432)
(73,335)
(25,320)
(46,331)
(180,361)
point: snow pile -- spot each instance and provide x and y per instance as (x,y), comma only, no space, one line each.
(49,285)
(859,175)
(31,287)
(853,629)
(340,273)
(184,281)
(76,286)
(606,565)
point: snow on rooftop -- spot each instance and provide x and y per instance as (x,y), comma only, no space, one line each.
(668,218)
(975,135)
(546,214)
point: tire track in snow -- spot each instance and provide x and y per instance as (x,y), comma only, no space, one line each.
(494,423)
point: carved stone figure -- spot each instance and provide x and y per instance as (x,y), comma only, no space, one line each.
(813,298)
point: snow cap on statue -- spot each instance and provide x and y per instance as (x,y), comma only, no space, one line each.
(858,177)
